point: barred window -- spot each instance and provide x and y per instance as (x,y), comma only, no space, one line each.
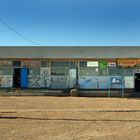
(89,71)
(59,71)
(115,71)
(6,71)
(34,71)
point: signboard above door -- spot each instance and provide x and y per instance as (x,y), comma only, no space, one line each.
(31,63)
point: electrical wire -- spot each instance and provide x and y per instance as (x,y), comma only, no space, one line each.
(19,34)
(56,17)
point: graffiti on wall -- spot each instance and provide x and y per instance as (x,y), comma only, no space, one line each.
(34,81)
(93,82)
(88,82)
(42,80)
(5,80)
(45,77)
(104,82)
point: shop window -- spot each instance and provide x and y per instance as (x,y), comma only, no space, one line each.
(103,72)
(89,71)
(83,64)
(59,64)
(129,72)
(136,70)
(44,64)
(5,71)
(59,71)
(34,71)
(73,65)
(16,64)
(115,71)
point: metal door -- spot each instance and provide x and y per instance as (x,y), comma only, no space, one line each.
(16,78)
(24,78)
(137,82)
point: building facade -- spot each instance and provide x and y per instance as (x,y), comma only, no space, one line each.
(94,68)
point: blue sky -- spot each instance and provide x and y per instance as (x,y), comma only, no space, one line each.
(74,22)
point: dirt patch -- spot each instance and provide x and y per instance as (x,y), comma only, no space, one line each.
(69,118)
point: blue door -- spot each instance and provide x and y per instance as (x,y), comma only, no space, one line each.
(24,78)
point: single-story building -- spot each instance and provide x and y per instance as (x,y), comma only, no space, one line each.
(62,67)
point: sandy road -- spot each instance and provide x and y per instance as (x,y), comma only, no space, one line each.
(66,118)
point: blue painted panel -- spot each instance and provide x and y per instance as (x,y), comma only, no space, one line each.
(93,82)
(24,78)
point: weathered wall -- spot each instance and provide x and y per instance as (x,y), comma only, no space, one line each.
(6,80)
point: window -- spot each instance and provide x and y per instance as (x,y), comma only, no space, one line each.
(103,72)
(34,71)
(89,71)
(83,64)
(129,72)
(59,64)
(59,71)
(73,65)
(5,71)
(16,64)
(44,64)
(115,71)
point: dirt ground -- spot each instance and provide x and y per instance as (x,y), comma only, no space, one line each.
(69,118)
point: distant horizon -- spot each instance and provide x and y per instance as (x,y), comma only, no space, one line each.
(73,46)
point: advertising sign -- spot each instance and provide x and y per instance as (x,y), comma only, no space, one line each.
(102,64)
(92,64)
(116,82)
(126,62)
(31,63)
(111,63)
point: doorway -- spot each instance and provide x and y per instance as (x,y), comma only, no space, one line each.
(137,82)
(16,78)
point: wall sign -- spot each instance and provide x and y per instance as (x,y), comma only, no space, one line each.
(111,63)
(31,63)
(126,62)
(102,64)
(92,64)
(116,82)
